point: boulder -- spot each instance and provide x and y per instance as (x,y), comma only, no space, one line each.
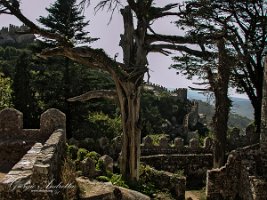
(93,190)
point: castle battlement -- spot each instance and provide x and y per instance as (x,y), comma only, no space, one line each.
(9,35)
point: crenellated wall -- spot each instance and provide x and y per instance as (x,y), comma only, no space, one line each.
(38,155)
(194,160)
(177,147)
(9,35)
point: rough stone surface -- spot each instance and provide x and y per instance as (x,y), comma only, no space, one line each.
(147,141)
(179,142)
(148,148)
(108,162)
(38,154)
(240,177)
(51,120)
(164,142)
(194,143)
(162,179)
(105,191)
(194,166)
(87,166)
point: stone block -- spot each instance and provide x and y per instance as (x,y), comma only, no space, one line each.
(147,141)
(11,122)
(164,142)
(51,120)
(179,142)
(87,166)
(194,143)
(108,162)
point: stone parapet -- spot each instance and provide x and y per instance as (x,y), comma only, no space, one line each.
(240,178)
(39,154)
(177,147)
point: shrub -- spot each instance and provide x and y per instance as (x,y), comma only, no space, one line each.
(100,166)
(72,151)
(102,178)
(115,179)
(68,176)
(93,155)
(103,125)
(81,154)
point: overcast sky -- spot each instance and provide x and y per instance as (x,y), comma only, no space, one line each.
(110,36)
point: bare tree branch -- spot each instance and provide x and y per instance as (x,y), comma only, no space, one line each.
(93,58)
(183,48)
(96,94)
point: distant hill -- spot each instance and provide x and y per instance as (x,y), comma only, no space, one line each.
(240,107)
(235,120)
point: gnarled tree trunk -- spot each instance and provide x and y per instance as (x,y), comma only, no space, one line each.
(263,138)
(128,91)
(222,105)
(129,100)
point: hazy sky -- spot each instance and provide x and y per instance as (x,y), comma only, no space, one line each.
(110,36)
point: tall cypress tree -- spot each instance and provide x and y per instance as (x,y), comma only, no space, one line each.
(23,95)
(65,17)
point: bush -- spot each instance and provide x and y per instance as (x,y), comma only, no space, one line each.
(103,125)
(81,154)
(102,178)
(115,179)
(72,151)
(93,155)
(68,176)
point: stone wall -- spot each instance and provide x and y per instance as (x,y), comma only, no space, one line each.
(40,163)
(9,35)
(194,160)
(177,147)
(240,178)
(176,184)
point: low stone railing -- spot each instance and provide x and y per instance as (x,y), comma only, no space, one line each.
(35,174)
(177,147)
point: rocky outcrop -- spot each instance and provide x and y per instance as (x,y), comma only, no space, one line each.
(93,190)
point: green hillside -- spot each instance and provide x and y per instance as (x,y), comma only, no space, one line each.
(235,120)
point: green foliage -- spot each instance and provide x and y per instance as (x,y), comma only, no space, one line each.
(72,151)
(158,108)
(115,179)
(81,154)
(144,185)
(94,156)
(100,166)
(234,119)
(103,125)
(102,178)
(179,173)
(156,137)
(23,94)
(5,92)
(66,18)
